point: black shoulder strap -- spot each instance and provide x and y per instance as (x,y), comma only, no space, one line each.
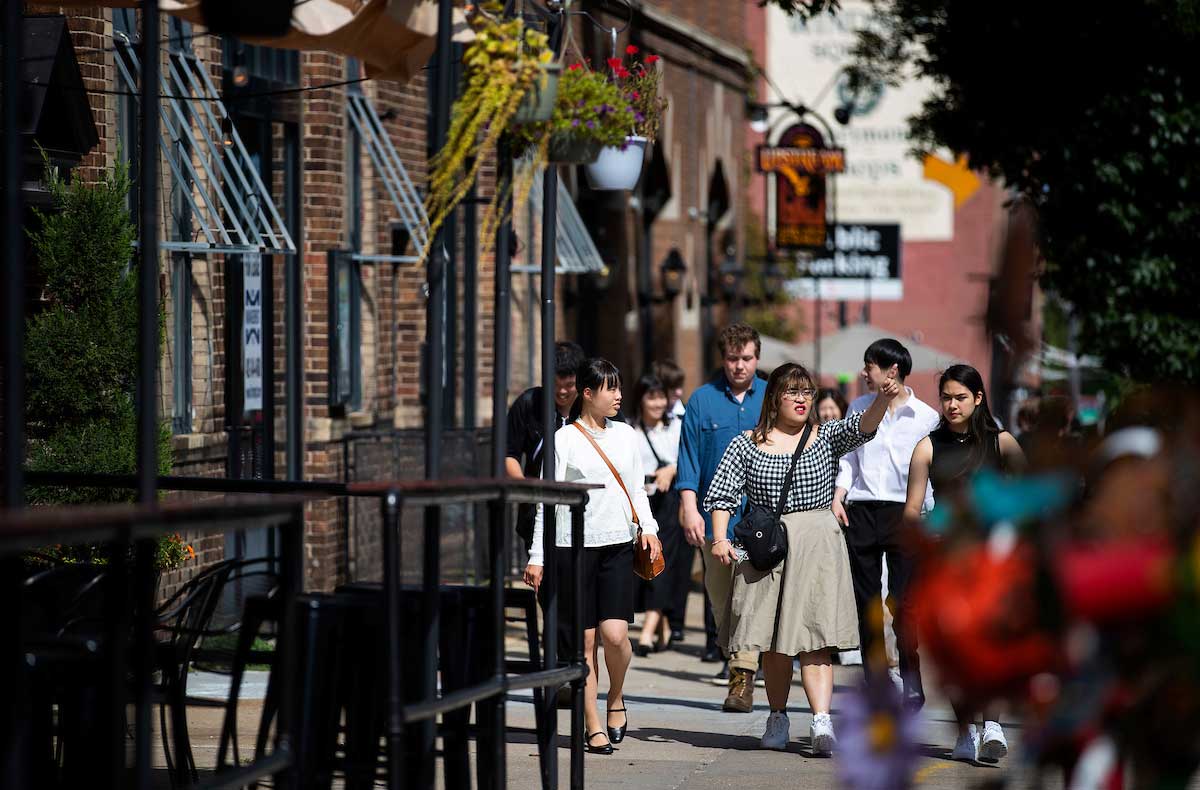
(787,484)
(787,481)
(653,452)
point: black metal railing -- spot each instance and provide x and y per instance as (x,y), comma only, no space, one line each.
(410,728)
(121,650)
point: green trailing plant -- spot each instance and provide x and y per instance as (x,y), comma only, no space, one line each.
(501,65)
(81,347)
(588,109)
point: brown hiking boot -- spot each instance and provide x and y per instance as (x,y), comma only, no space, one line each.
(741,691)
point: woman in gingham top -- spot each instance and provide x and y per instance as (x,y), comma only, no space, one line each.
(818,613)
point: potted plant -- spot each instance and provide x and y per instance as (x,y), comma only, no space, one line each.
(638,85)
(502,65)
(588,115)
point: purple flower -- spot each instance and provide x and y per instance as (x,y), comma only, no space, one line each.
(575,122)
(591,124)
(581,103)
(637,116)
(877,740)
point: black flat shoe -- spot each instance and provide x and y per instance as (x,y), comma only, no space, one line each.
(605,749)
(676,636)
(617,734)
(642,650)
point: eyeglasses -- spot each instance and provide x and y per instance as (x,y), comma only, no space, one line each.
(795,395)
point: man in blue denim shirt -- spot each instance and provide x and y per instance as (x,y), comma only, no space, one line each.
(716,413)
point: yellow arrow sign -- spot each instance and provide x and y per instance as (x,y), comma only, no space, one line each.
(961,180)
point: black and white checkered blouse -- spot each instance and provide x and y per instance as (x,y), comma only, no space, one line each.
(747,469)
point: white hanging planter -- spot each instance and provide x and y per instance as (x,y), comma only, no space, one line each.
(618,169)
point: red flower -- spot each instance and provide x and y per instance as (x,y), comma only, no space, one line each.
(651,59)
(631,50)
(614,63)
(623,73)
(575,67)
(636,96)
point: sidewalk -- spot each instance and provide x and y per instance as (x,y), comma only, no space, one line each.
(680,738)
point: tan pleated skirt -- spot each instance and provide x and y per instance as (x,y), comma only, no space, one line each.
(817,599)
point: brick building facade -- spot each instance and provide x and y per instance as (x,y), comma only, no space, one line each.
(292,116)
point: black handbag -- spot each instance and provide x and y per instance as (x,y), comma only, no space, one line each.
(761,532)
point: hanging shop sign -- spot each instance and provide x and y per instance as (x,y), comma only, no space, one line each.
(252,332)
(858,261)
(800,161)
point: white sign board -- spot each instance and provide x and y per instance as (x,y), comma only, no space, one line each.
(252,332)
(883,182)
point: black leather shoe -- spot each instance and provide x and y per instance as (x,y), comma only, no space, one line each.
(617,734)
(605,749)
(676,636)
(642,650)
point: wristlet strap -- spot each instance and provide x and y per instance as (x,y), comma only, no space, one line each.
(612,469)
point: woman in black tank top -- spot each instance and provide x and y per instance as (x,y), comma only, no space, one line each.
(967,440)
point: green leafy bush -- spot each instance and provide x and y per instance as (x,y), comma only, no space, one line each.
(81,349)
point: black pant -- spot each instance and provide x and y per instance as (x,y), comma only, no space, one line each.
(872,534)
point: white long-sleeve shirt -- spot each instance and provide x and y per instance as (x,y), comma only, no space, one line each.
(607,520)
(878,471)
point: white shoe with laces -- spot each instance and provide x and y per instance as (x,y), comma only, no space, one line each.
(967,746)
(778,731)
(993,745)
(821,732)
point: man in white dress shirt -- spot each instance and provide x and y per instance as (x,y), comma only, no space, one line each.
(872,486)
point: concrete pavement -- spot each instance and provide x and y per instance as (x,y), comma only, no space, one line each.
(680,738)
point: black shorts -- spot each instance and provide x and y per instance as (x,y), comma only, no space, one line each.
(608,588)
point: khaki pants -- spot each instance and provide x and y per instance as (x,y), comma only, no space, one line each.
(718,583)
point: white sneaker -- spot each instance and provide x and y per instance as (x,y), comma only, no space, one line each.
(897,681)
(821,732)
(967,746)
(994,745)
(778,731)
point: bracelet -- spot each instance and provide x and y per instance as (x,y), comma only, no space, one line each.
(722,540)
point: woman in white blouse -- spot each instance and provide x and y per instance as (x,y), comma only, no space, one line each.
(658,437)
(609,535)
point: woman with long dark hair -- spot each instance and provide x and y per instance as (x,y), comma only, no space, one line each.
(968,439)
(658,437)
(804,606)
(587,451)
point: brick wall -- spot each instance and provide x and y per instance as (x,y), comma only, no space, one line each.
(394,306)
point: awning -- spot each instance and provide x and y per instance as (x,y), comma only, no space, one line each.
(393,38)
(390,169)
(54,117)
(230,206)
(577,253)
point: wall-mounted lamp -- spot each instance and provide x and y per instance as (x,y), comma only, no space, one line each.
(730,274)
(673,270)
(757,114)
(241,77)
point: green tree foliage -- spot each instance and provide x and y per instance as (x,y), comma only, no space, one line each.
(1094,112)
(81,349)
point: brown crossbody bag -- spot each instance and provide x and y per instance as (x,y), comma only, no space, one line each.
(643,565)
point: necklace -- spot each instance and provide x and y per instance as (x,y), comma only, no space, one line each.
(962,439)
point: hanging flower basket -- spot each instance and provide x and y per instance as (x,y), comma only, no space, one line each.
(565,149)
(538,103)
(618,168)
